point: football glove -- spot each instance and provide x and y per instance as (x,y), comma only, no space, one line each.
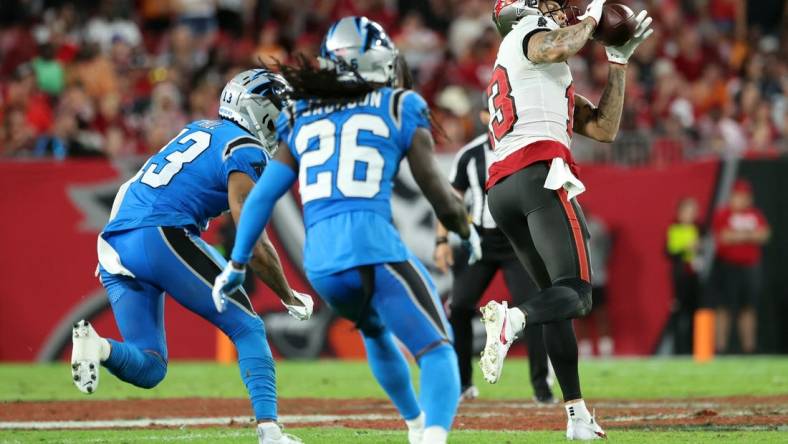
(621,54)
(594,10)
(302,313)
(227,283)
(474,245)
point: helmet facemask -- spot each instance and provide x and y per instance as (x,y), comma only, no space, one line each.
(253,101)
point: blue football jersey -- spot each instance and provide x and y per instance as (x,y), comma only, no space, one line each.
(185,184)
(348,157)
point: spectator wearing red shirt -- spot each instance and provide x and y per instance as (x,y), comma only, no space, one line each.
(740,230)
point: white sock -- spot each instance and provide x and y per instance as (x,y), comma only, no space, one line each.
(269,429)
(416,423)
(435,435)
(105,349)
(518,319)
(577,409)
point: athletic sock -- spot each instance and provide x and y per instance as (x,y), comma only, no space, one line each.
(577,410)
(130,364)
(518,319)
(435,435)
(440,386)
(391,370)
(105,351)
(257,370)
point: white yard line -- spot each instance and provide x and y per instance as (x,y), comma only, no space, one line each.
(181,422)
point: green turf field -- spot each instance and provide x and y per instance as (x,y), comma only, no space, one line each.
(617,379)
(621,378)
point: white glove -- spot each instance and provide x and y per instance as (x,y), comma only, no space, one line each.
(474,246)
(227,283)
(594,10)
(302,313)
(621,54)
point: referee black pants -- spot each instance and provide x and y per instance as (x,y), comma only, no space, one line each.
(470,282)
(549,236)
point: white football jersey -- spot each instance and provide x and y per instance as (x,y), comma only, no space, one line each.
(528,101)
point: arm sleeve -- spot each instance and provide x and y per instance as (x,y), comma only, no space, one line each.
(414,113)
(274,183)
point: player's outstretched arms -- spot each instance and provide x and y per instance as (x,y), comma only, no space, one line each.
(559,44)
(436,188)
(601,122)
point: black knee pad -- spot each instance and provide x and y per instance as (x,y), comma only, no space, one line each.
(583,290)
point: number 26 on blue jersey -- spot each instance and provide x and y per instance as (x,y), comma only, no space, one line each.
(350,153)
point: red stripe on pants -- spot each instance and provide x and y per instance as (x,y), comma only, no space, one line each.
(577,234)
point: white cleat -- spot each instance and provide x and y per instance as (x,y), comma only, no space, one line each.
(470,393)
(583,429)
(501,333)
(271,433)
(416,428)
(85,357)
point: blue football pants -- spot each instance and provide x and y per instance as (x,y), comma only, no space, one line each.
(400,300)
(174,261)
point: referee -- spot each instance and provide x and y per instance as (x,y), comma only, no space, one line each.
(468,175)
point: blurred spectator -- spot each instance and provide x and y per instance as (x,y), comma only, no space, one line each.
(164,117)
(712,80)
(599,248)
(50,77)
(740,230)
(682,247)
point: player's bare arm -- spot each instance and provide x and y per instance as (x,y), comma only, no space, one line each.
(558,45)
(601,122)
(265,261)
(448,207)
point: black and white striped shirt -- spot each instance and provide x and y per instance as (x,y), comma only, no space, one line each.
(468,176)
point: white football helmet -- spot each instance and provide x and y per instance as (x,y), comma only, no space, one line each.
(253,100)
(358,45)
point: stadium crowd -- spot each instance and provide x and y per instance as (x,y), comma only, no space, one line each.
(118,78)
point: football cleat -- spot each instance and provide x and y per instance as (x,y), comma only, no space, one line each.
(584,429)
(271,433)
(501,334)
(469,393)
(85,357)
(416,429)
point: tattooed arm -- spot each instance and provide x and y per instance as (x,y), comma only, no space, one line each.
(601,122)
(559,44)
(265,261)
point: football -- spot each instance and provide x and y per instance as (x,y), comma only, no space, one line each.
(616,26)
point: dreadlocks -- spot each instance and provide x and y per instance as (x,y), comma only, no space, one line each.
(321,86)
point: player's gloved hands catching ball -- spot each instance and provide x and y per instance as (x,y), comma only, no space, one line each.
(227,283)
(593,10)
(621,54)
(302,311)
(474,245)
